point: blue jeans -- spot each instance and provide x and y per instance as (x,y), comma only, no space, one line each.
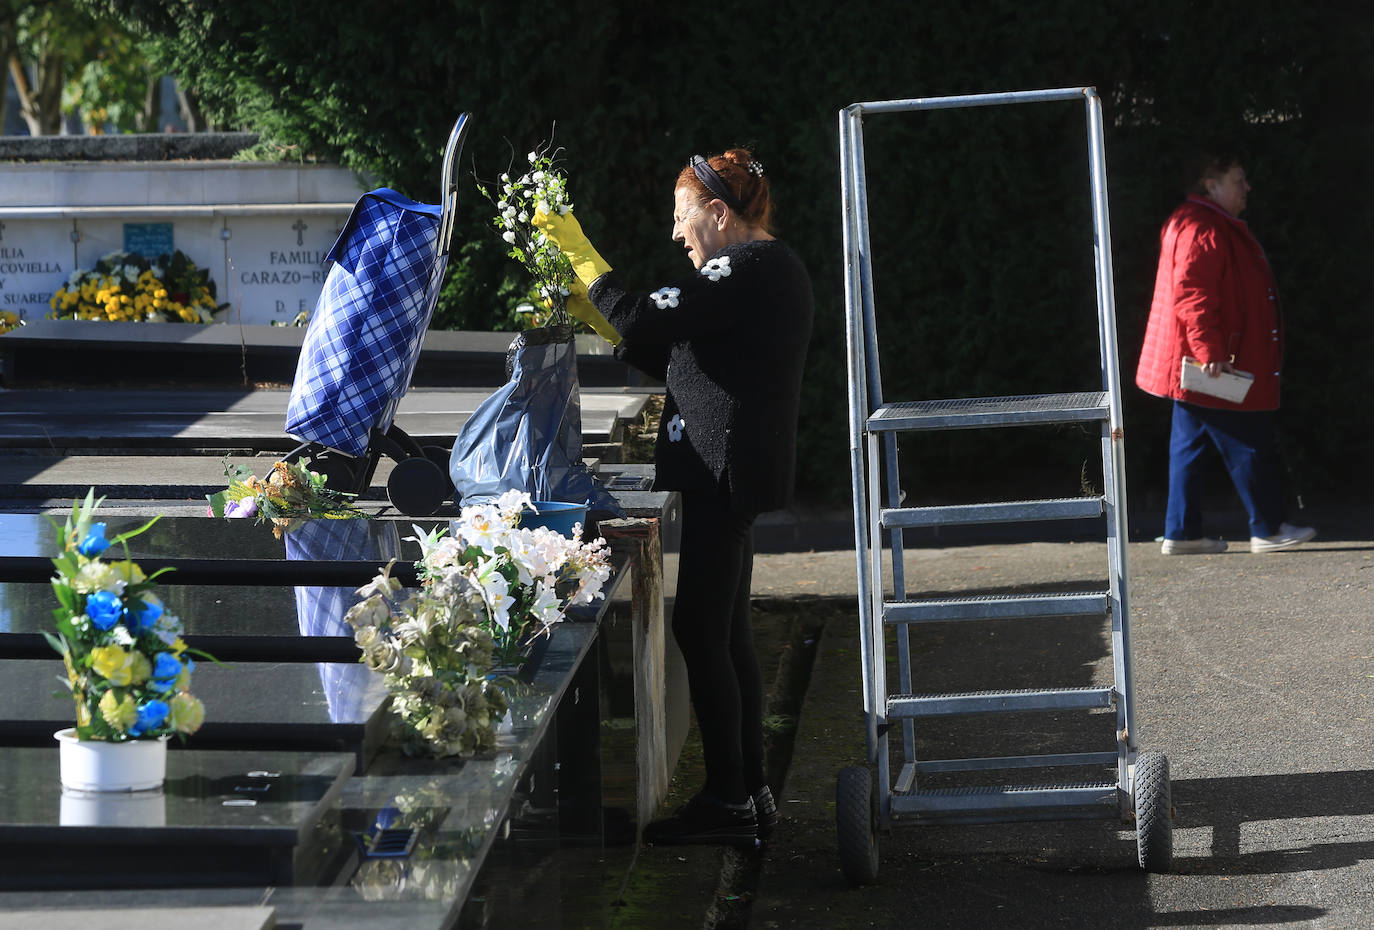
(1245,440)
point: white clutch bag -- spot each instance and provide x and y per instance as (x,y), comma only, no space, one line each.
(1232,385)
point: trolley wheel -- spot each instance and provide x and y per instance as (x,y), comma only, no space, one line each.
(856,824)
(438,455)
(337,468)
(1154,815)
(417,487)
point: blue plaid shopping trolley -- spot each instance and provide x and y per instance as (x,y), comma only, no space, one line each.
(364,340)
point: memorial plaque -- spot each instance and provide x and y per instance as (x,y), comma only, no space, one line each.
(148,239)
(35,260)
(277,264)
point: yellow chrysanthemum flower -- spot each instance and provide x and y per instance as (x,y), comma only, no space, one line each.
(119,714)
(142,669)
(187,713)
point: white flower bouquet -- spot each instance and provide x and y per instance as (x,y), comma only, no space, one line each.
(528,577)
(542,188)
(487,590)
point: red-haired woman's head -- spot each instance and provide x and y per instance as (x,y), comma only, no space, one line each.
(721,200)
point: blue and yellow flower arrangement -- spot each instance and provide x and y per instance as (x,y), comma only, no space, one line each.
(128,668)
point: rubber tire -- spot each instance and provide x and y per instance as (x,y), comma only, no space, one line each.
(440,456)
(417,487)
(856,825)
(1154,815)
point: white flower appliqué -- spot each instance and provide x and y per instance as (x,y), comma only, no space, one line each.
(666,297)
(675,427)
(717,268)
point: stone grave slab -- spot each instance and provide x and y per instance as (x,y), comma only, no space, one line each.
(232,623)
(259,705)
(140,918)
(219,419)
(221,819)
(100,353)
(203,550)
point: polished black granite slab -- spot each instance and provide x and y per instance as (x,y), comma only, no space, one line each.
(204,550)
(221,819)
(458,809)
(232,623)
(248,705)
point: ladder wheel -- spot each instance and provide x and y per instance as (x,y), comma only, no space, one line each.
(417,487)
(856,825)
(1154,815)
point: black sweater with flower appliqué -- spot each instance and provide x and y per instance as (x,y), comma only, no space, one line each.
(730,343)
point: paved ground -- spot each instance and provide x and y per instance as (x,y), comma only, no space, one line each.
(1254,674)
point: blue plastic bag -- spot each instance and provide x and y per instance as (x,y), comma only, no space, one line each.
(528,435)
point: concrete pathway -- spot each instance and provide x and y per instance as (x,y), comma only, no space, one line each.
(1254,675)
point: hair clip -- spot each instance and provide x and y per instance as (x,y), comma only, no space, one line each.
(756,168)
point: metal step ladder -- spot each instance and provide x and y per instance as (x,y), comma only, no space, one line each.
(1140,790)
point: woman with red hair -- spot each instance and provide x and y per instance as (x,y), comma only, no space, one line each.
(729,341)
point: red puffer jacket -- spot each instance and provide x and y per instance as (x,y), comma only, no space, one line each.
(1214,299)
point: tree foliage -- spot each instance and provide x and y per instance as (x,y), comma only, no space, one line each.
(981,237)
(66,60)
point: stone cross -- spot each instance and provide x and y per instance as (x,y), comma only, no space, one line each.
(300,227)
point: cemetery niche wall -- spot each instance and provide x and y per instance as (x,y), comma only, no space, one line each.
(262,229)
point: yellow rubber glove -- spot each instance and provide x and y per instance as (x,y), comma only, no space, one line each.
(567,234)
(582,309)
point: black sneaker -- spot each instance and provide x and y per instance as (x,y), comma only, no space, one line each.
(766,810)
(705,820)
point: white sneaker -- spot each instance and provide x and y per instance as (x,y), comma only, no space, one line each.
(1192,546)
(1287,537)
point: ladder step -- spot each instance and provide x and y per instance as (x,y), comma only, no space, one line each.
(984,412)
(997,607)
(1055,760)
(1004,797)
(992,702)
(1064,508)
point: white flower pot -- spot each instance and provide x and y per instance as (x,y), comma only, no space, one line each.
(97,765)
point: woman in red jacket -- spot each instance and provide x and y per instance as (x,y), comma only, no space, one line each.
(1215,301)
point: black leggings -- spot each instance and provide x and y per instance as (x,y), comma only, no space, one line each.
(711,625)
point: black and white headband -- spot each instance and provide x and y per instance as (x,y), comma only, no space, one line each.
(716,184)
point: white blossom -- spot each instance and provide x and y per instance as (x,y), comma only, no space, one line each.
(666,297)
(717,268)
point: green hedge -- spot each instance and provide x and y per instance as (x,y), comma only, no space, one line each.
(982,245)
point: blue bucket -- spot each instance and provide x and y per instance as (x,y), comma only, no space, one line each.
(559,516)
